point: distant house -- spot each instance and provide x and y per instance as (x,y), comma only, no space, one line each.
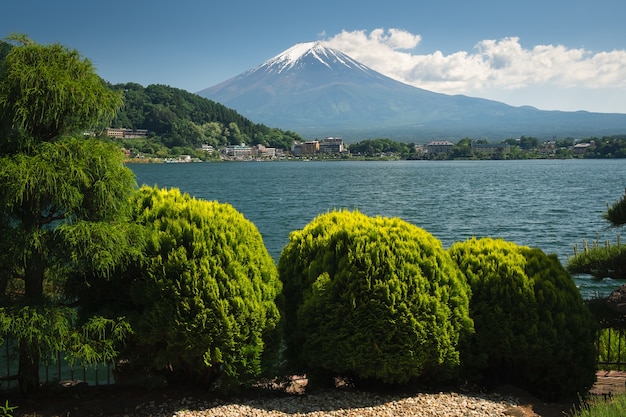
(331,146)
(439,146)
(582,148)
(296,148)
(123,133)
(239,151)
(328,145)
(309,147)
(263,151)
(113,132)
(206,148)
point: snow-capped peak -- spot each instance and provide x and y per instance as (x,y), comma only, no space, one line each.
(296,54)
(291,55)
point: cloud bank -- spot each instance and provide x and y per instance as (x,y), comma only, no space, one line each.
(550,76)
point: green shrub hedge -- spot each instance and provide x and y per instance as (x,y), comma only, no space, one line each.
(205,293)
(532,328)
(372,298)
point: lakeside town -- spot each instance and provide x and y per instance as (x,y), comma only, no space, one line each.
(334,147)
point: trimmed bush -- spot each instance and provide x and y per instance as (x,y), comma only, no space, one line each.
(206,290)
(375,299)
(532,328)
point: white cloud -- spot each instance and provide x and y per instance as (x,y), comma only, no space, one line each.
(496,69)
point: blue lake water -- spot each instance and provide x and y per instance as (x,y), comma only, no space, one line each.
(541,203)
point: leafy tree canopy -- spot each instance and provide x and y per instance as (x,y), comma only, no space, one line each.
(374,147)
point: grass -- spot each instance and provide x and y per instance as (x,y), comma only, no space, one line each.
(599,407)
(611,345)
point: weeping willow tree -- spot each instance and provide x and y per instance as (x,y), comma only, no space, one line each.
(63,202)
(603,260)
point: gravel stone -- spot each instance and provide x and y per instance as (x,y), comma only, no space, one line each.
(341,404)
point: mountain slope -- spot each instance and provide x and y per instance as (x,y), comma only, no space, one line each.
(318,91)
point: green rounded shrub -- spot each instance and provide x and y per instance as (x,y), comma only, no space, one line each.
(532,328)
(375,299)
(205,292)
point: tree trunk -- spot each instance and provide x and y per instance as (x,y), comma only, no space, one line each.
(33,280)
(28,371)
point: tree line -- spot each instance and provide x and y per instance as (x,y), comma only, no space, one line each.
(524,147)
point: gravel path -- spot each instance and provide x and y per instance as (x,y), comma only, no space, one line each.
(343,403)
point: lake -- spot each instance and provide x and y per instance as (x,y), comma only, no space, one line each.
(549,204)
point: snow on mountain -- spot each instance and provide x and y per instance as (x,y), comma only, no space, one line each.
(299,54)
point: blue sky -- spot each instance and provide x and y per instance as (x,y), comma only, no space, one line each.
(551,54)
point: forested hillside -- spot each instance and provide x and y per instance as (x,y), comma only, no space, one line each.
(177,118)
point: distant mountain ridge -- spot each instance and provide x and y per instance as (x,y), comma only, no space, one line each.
(318,91)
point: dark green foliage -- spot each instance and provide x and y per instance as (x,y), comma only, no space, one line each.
(532,328)
(176,117)
(607,147)
(372,298)
(374,147)
(204,291)
(616,214)
(526,142)
(5,48)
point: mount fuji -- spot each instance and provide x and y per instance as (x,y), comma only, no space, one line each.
(317,92)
